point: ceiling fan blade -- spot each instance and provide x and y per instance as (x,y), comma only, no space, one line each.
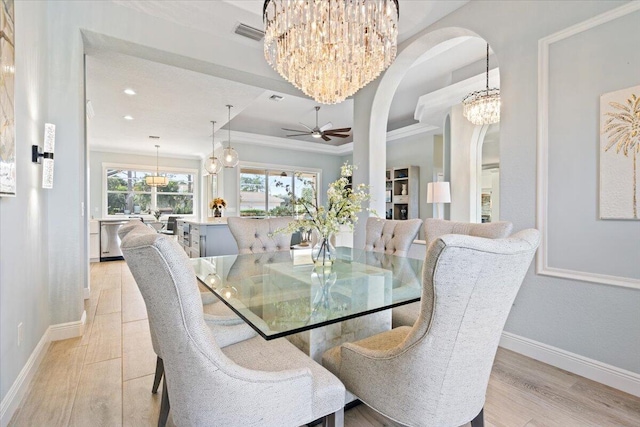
(340,130)
(339,135)
(326,138)
(311,130)
(326,126)
(299,134)
(295,130)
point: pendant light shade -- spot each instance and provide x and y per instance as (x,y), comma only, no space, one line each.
(213,165)
(482,107)
(230,157)
(157,180)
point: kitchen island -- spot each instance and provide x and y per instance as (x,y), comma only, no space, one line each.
(205,238)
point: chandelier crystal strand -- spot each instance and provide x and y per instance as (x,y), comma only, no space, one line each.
(330,49)
(230,157)
(482,107)
(213,165)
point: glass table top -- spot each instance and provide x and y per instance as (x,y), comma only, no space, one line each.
(283,293)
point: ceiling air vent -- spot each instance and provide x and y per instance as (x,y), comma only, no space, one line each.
(249,32)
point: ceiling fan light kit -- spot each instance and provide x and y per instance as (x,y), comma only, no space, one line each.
(330,49)
(318,132)
(482,107)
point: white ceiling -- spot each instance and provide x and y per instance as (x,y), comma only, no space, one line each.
(178,104)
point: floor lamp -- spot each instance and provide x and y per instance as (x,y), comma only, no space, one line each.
(438,193)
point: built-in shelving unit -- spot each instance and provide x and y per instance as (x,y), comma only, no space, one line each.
(403,193)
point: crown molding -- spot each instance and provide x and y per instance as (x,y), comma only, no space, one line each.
(290,144)
(411,130)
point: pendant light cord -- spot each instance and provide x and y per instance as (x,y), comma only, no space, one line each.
(487,68)
(229,125)
(157,164)
(213,141)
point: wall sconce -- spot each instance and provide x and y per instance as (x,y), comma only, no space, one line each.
(438,193)
(46,155)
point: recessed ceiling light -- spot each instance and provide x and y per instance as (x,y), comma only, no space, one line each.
(128,117)
(130,91)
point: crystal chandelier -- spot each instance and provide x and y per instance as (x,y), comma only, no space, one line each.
(482,107)
(213,165)
(229,155)
(330,49)
(156,180)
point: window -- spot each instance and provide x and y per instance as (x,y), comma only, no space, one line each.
(267,191)
(128,192)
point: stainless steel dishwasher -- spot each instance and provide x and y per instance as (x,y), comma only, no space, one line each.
(109,240)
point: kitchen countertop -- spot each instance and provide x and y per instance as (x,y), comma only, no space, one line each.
(211,221)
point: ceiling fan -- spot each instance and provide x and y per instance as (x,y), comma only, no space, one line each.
(323,132)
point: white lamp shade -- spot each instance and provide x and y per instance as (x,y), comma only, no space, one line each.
(438,192)
(156,181)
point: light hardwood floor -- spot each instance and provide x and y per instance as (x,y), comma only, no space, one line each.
(104,378)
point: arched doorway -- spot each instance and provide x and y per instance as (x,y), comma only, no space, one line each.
(466,151)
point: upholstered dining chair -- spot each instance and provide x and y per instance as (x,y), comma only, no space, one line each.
(406,315)
(391,236)
(252,382)
(437,370)
(215,312)
(256,235)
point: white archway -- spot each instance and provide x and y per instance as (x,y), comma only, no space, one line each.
(379,113)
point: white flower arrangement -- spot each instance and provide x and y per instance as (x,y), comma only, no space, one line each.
(343,205)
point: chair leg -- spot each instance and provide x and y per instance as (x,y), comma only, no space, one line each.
(478,421)
(335,420)
(158,377)
(164,405)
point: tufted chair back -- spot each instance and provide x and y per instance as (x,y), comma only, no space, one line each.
(434,228)
(391,236)
(437,370)
(255,235)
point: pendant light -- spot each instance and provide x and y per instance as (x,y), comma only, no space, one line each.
(330,49)
(156,180)
(213,165)
(229,155)
(482,107)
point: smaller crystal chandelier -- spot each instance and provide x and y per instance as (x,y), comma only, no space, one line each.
(157,180)
(213,165)
(330,49)
(229,155)
(482,107)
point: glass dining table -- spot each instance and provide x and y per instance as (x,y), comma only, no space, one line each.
(283,294)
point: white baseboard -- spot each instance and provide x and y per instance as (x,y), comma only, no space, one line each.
(612,376)
(63,331)
(87,292)
(16,393)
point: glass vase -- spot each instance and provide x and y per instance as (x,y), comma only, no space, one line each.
(323,253)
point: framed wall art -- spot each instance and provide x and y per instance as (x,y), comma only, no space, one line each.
(7,112)
(619,152)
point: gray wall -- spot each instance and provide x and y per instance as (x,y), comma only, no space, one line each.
(597,321)
(609,246)
(24,261)
(329,164)
(96,158)
(416,150)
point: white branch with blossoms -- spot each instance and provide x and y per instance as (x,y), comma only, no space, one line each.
(344,203)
